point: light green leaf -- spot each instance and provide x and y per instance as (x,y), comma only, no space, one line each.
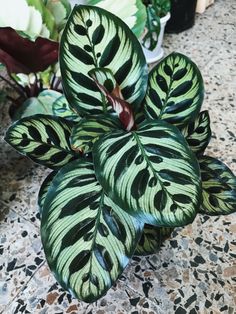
(175,91)
(132,12)
(104,77)
(61,108)
(44,139)
(94,38)
(60,11)
(151,240)
(37,105)
(198,133)
(87,239)
(219,187)
(151,173)
(88,130)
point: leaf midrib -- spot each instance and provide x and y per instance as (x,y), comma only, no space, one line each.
(168,93)
(71,152)
(154,172)
(104,107)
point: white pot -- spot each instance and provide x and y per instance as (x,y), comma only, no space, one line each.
(158,52)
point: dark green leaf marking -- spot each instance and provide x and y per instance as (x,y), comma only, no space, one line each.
(42,138)
(152,239)
(198,133)
(87,239)
(151,173)
(175,91)
(88,130)
(219,187)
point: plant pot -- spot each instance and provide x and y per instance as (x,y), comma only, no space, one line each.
(156,54)
(202,5)
(182,15)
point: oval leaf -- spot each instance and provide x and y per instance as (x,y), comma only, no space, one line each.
(44,139)
(88,130)
(94,38)
(37,105)
(152,239)
(175,90)
(87,239)
(219,187)
(198,133)
(29,56)
(151,173)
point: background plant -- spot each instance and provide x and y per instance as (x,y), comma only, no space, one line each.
(155,9)
(29,48)
(127,156)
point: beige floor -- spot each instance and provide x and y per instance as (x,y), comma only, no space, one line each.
(195,271)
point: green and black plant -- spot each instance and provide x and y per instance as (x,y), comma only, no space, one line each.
(155,10)
(131,167)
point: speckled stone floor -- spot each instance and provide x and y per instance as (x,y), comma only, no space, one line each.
(195,271)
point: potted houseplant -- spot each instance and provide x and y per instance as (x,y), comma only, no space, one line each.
(132,168)
(158,13)
(182,15)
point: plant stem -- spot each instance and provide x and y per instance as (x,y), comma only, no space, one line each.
(52,82)
(57,84)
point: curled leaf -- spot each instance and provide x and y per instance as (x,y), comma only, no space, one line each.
(20,55)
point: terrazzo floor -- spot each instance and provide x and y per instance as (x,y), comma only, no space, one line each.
(195,271)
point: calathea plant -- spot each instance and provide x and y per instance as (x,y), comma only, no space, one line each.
(132,167)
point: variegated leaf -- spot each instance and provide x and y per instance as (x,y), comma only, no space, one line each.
(87,239)
(151,173)
(44,189)
(152,239)
(198,133)
(60,9)
(33,21)
(44,139)
(175,90)
(61,108)
(42,104)
(88,130)
(219,187)
(132,12)
(94,38)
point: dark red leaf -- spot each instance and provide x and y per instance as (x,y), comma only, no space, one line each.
(20,55)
